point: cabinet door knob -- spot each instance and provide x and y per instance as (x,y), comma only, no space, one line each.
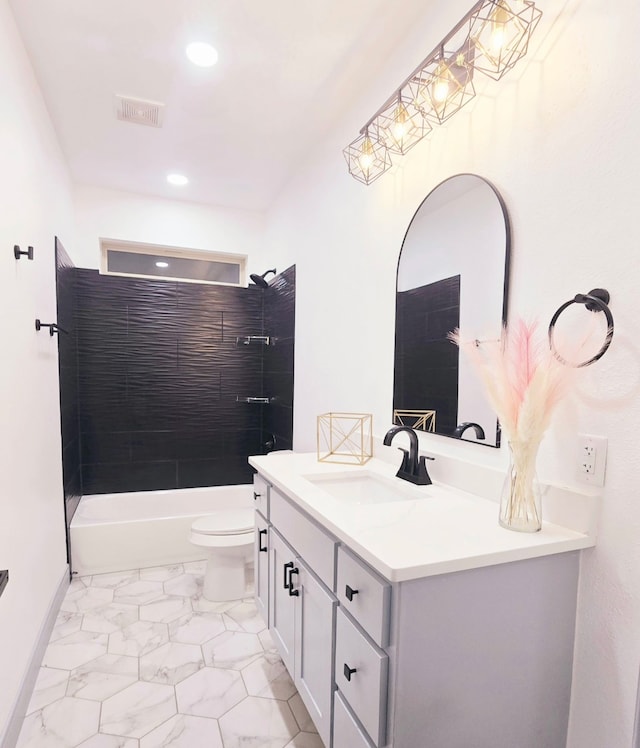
(349,671)
(260,534)
(287,579)
(292,592)
(350,593)
(256,496)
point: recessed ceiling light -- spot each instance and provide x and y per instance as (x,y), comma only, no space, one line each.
(161,264)
(202,54)
(178,179)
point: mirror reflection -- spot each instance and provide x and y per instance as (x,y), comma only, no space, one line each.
(452,273)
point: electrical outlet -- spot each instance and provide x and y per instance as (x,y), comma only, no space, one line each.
(592,459)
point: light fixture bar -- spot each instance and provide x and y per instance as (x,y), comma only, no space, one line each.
(497,36)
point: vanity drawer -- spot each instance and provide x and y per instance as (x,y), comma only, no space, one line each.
(346,731)
(361,676)
(261,495)
(365,595)
(309,540)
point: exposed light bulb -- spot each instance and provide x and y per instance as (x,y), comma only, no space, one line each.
(400,126)
(498,29)
(440,91)
(367,156)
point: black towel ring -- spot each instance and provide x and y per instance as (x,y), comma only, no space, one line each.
(596,300)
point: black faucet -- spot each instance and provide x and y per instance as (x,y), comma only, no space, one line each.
(413,468)
(462,427)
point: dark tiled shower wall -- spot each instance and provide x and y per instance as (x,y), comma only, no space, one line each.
(159,374)
(68,368)
(279,322)
(426,361)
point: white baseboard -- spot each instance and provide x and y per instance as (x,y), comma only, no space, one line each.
(14,724)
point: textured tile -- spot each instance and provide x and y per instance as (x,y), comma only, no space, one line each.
(110,618)
(171,663)
(161,573)
(50,686)
(196,628)
(233,649)
(303,718)
(138,593)
(138,639)
(268,677)
(103,677)
(258,723)
(137,710)
(86,598)
(74,650)
(64,723)
(165,609)
(210,692)
(184,731)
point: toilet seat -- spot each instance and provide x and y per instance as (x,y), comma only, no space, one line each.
(225,522)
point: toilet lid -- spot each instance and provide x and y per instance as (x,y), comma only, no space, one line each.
(225,522)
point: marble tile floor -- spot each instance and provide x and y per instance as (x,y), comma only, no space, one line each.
(139,659)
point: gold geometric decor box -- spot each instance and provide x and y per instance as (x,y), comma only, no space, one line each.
(345,438)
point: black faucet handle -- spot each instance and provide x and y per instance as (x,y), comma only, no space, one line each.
(406,460)
(423,475)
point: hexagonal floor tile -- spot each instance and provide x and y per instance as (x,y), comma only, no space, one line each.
(74,650)
(165,609)
(138,593)
(306,740)
(303,718)
(259,722)
(161,573)
(67,721)
(86,598)
(196,628)
(115,579)
(66,623)
(210,692)
(233,649)
(171,663)
(103,677)
(138,709)
(110,618)
(138,639)
(183,731)
(186,585)
(268,677)
(195,567)
(50,686)
(109,741)
(247,617)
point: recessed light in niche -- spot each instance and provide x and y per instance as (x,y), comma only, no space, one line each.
(202,54)
(179,180)
(161,264)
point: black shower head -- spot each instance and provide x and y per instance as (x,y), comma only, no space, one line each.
(259,279)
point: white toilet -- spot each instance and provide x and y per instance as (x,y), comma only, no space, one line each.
(228,536)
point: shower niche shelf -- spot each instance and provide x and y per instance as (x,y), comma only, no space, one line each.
(256,400)
(255,340)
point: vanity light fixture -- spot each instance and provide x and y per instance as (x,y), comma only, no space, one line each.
(490,40)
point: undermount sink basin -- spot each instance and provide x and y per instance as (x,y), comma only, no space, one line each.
(367,488)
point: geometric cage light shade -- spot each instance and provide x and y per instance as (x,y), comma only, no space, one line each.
(367,157)
(500,32)
(490,39)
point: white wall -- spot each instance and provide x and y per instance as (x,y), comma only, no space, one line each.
(35,205)
(558,138)
(112,214)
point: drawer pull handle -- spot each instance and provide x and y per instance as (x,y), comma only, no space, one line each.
(256,496)
(287,581)
(292,592)
(349,671)
(260,534)
(350,593)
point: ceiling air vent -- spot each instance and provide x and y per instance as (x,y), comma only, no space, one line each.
(139,111)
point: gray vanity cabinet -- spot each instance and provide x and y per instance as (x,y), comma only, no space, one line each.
(302,608)
(261,566)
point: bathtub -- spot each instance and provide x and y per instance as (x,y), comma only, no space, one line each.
(121,531)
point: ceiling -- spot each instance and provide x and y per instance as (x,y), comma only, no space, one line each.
(286,71)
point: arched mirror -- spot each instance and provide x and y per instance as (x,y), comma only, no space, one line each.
(453,272)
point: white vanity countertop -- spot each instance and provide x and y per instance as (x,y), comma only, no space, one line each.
(448,530)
